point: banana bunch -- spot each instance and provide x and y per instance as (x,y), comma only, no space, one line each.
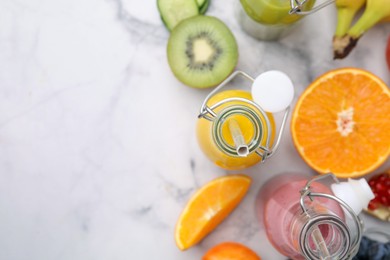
(346,37)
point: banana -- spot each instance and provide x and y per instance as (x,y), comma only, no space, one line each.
(376,11)
(346,10)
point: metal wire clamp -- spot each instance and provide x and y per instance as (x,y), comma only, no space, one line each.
(296,7)
(208,113)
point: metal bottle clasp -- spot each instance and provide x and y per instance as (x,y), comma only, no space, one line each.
(307,192)
(296,7)
(208,113)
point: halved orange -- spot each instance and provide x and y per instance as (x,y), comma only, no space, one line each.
(341,123)
(208,207)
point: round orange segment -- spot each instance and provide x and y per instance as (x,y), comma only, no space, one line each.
(208,207)
(230,251)
(341,123)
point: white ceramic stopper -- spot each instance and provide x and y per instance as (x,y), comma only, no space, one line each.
(273,90)
(356,193)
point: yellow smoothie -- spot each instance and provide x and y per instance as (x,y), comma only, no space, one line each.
(205,132)
(273,12)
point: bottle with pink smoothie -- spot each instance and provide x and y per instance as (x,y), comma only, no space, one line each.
(307,219)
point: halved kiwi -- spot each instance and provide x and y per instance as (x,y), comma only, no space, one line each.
(202,51)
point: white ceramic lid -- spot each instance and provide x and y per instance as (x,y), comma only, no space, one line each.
(356,193)
(273,90)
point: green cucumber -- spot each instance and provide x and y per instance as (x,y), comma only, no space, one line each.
(174,11)
(204,6)
(201,3)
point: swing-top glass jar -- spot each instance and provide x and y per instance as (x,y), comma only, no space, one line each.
(307,219)
(273,19)
(234,131)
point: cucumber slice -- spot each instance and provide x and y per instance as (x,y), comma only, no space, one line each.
(204,7)
(174,11)
(201,3)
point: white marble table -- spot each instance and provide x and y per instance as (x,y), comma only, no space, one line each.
(97,148)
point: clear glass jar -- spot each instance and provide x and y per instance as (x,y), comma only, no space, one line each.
(271,19)
(233,131)
(303,218)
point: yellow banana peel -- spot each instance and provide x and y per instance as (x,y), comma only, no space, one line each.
(375,12)
(346,10)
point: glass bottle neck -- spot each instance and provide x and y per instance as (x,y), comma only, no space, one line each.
(255,126)
(241,114)
(320,234)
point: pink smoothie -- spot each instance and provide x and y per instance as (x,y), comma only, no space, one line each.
(278,207)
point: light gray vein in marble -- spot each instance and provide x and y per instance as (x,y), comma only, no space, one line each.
(98,154)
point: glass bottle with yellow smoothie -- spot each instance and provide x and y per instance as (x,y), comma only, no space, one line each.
(233,131)
(272,19)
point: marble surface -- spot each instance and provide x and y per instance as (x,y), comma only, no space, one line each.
(97,148)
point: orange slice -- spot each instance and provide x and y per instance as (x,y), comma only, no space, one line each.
(341,123)
(230,251)
(208,207)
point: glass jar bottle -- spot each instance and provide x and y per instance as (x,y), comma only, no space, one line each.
(272,19)
(305,219)
(233,131)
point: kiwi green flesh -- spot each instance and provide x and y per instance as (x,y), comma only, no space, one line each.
(172,12)
(202,51)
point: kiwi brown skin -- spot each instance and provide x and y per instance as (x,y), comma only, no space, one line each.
(202,51)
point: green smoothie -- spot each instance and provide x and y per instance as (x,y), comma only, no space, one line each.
(273,12)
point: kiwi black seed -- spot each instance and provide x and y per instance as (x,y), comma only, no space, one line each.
(202,51)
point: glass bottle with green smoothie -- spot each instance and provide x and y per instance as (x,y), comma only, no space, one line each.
(271,19)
